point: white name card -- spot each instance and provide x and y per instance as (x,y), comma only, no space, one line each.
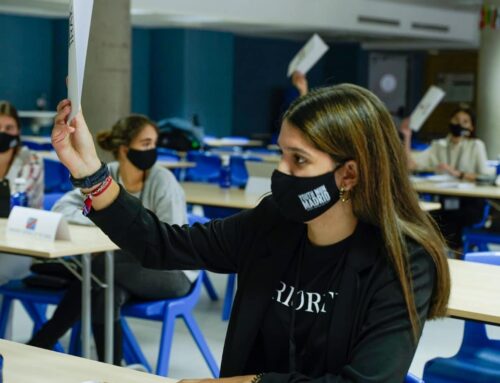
(40,224)
(425,107)
(309,55)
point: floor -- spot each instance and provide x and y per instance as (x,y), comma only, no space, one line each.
(440,338)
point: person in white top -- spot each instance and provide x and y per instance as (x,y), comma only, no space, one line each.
(461,155)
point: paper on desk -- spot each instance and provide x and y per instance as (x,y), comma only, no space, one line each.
(309,55)
(46,225)
(425,107)
(80,16)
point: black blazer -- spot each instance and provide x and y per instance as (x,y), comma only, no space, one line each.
(370,334)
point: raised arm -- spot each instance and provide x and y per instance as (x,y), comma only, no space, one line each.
(137,230)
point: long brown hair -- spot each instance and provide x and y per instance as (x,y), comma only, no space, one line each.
(123,132)
(349,122)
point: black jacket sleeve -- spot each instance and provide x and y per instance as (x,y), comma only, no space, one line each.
(213,246)
(385,346)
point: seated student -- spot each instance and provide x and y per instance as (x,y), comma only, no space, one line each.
(17,161)
(132,141)
(460,155)
(337,270)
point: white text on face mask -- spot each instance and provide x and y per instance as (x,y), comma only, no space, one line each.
(315,198)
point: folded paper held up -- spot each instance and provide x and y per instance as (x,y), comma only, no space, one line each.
(309,55)
(80,16)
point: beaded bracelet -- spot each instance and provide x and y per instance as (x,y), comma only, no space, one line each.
(87,203)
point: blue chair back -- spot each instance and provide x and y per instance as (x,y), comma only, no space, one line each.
(49,199)
(192,219)
(410,378)
(207,167)
(239,173)
(166,154)
(56,176)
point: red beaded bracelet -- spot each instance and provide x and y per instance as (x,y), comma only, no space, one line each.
(87,203)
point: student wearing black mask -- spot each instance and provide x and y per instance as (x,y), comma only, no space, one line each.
(337,270)
(17,161)
(132,140)
(462,156)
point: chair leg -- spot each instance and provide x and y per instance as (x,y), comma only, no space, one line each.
(201,343)
(132,352)
(210,287)
(4,315)
(75,345)
(167,334)
(36,312)
(228,298)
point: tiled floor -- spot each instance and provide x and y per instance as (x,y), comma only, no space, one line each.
(440,338)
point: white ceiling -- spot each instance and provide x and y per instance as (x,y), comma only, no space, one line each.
(427,22)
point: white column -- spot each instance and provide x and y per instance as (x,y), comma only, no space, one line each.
(488,107)
(106,89)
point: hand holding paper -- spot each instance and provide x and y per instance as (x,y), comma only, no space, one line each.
(425,107)
(309,55)
(80,16)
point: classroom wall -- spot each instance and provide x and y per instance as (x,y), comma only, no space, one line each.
(27,60)
(235,84)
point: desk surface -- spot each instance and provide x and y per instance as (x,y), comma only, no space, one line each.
(84,239)
(475,291)
(26,364)
(213,195)
(220,142)
(176,164)
(458,189)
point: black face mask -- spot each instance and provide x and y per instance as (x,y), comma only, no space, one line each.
(142,159)
(8,141)
(458,130)
(302,199)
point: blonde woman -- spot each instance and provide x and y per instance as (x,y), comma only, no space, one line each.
(338,269)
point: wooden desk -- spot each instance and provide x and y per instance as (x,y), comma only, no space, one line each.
(220,142)
(475,291)
(457,189)
(212,195)
(176,164)
(84,240)
(26,364)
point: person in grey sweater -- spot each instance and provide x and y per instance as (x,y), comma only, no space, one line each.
(132,141)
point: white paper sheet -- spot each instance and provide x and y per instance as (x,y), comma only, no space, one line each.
(80,16)
(425,107)
(309,55)
(41,224)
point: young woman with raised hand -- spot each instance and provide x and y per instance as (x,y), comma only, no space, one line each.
(337,270)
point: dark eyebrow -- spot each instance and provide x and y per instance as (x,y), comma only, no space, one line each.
(298,151)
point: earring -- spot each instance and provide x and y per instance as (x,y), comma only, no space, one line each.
(344,194)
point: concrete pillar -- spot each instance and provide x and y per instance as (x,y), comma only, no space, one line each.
(488,106)
(106,88)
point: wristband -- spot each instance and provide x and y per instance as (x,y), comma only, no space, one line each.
(87,203)
(90,181)
(461,176)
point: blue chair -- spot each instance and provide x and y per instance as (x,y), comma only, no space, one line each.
(410,378)
(207,167)
(166,311)
(49,199)
(479,237)
(56,176)
(35,302)
(478,359)
(239,173)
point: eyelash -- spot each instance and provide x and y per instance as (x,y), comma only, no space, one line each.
(299,160)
